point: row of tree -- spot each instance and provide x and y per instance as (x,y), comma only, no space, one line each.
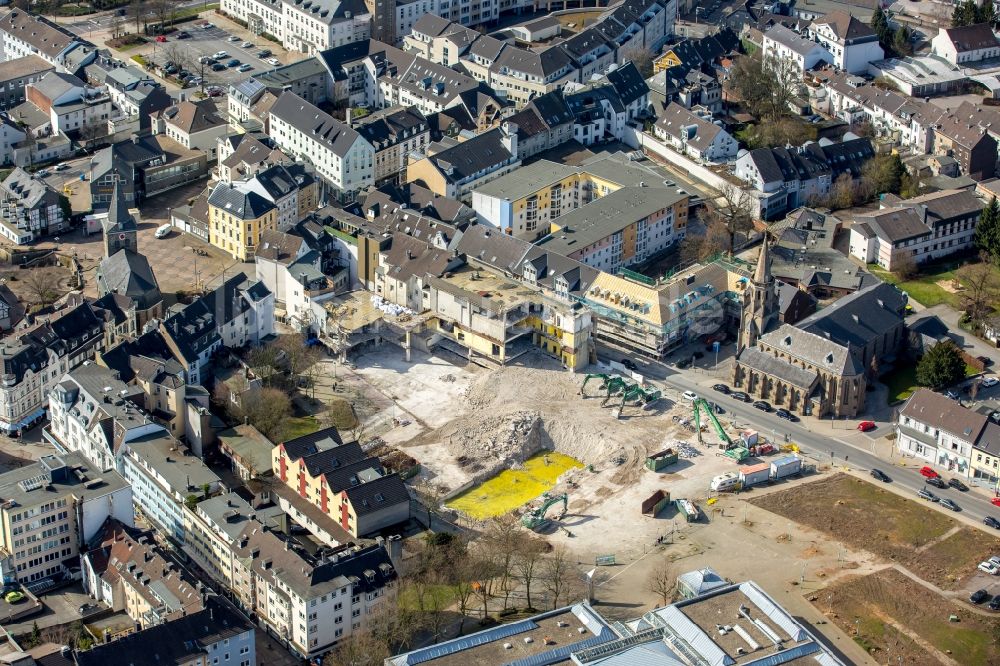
(971,13)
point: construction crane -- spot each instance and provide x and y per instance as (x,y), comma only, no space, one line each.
(700,404)
(536,518)
(604,380)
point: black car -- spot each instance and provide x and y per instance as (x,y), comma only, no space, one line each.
(183,35)
(785,414)
(979,596)
(936,482)
(994,604)
(985,360)
(948,504)
(721,388)
(740,395)
(762,405)
(266,53)
(990,521)
(957,485)
(881,476)
(218,67)
(684,363)
(630,364)
(698,354)
(927,495)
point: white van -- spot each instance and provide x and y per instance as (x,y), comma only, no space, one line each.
(163,231)
(725,482)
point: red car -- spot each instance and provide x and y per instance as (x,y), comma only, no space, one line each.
(865,426)
(928,472)
(161,38)
(995,501)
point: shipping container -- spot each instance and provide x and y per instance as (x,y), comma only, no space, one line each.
(755,474)
(785,466)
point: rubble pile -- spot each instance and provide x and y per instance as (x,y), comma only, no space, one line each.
(497,441)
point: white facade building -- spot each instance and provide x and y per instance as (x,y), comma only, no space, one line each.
(852,43)
(786,44)
(306,26)
(969,43)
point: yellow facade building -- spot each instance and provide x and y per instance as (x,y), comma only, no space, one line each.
(236,219)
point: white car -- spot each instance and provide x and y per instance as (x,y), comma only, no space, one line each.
(232,38)
(246,45)
(219,55)
(162,231)
(690,396)
(273,61)
(989,567)
(990,381)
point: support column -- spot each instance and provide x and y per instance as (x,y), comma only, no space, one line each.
(406,346)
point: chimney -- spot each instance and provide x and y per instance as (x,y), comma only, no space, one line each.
(508,133)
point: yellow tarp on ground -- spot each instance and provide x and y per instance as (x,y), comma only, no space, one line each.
(513,487)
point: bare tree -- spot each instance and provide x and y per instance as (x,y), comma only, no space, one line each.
(462,573)
(137,10)
(662,580)
(642,58)
(266,409)
(263,360)
(39,283)
(528,563)
(982,287)
(484,585)
(116,24)
(765,85)
(560,578)
(974,387)
(502,541)
(904,266)
(163,9)
(734,209)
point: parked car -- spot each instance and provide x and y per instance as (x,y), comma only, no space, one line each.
(233,62)
(927,495)
(218,67)
(880,475)
(246,45)
(43,173)
(989,567)
(937,482)
(928,472)
(950,504)
(629,363)
(214,91)
(219,55)
(762,405)
(867,426)
(161,38)
(170,69)
(266,53)
(740,395)
(183,35)
(990,521)
(684,363)
(957,485)
(951,394)
(785,414)
(207,26)
(206,60)
(995,501)
(246,67)
(994,604)
(721,388)
(985,360)
(62,167)
(162,231)
(990,381)
(232,38)
(274,62)
(979,596)
(195,81)
(690,396)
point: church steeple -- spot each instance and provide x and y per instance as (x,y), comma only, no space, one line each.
(759,301)
(120,229)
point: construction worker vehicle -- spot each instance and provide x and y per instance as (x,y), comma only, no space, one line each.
(536,518)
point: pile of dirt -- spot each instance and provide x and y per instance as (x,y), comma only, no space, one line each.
(485,445)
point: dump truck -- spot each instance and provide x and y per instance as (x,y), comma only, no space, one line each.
(753,475)
(688,509)
(785,466)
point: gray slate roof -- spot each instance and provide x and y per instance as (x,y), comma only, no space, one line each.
(769,364)
(239,202)
(318,124)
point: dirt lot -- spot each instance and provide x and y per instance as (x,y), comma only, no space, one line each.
(898,620)
(933,546)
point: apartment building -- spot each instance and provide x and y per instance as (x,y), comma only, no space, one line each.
(304,26)
(852,42)
(16,73)
(394,133)
(935,429)
(218,635)
(236,218)
(923,228)
(349,488)
(125,569)
(194,125)
(165,477)
(292,272)
(789,46)
(29,208)
(23,34)
(136,95)
(966,44)
(693,135)
(36,356)
(343,159)
(456,171)
(968,134)
(290,188)
(71,105)
(51,509)
(93,413)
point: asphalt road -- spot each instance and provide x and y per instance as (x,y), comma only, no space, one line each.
(819,447)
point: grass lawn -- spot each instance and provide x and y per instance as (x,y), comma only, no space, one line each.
(436,596)
(923,288)
(299,426)
(902,381)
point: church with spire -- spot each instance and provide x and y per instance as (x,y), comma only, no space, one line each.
(821,365)
(125,280)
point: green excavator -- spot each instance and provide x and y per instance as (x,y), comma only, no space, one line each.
(604,380)
(536,518)
(702,404)
(638,394)
(614,386)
